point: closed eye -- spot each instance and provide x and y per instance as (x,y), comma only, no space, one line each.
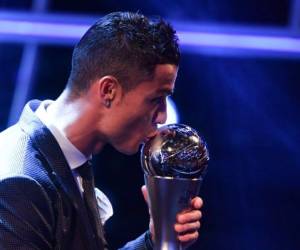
(158,100)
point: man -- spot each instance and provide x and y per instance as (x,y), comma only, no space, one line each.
(123,69)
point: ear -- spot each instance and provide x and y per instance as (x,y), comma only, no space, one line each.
(108,87)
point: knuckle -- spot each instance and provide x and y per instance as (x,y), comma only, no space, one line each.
(187,228)
(195,215)
(188,237)
(192,226)
(196,234)
(200,214)
(182,238)
(191,216)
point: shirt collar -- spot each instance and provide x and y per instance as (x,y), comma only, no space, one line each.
(73,156)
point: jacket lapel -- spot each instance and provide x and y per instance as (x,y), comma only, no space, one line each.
(49,148)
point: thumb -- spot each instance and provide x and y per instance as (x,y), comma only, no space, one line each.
(145,193)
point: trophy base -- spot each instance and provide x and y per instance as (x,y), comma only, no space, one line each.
(168,246)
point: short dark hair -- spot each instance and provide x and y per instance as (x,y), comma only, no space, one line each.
(125,45)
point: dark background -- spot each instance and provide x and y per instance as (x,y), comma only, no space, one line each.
(247,108)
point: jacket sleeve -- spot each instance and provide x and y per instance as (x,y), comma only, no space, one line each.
(26,216)
(143,242)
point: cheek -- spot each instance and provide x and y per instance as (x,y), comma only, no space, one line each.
(138,126)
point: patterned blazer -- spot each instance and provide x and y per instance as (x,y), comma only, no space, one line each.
(40,204)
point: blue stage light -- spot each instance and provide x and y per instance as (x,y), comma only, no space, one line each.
(67,29)
(172,114)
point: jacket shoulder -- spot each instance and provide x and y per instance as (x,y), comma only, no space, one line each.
(21,163)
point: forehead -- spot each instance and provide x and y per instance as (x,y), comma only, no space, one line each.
(164,78)
(165,72)
(162,82)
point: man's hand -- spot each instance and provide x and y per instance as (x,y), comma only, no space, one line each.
(187,221)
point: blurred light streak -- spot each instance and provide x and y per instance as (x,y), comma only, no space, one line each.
(40,29)
(172,113)
(25,74)
(251,42)
(23,82)
(67,29)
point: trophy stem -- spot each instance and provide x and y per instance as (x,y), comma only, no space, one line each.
(167,197)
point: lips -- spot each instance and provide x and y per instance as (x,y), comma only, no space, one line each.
(149,137)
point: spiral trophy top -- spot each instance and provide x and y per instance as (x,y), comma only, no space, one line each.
(176,151)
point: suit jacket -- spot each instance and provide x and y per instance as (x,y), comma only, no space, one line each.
(40,204)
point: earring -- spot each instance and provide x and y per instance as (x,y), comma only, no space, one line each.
(107,103)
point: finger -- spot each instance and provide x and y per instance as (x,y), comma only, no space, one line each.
(188,237)
(188,227)
(151,226)
(152,231)
(145,193)
(188,217)
(196,203)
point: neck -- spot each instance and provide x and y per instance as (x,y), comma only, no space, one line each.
(76,118)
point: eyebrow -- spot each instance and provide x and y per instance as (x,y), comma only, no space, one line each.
(165,91)
(166,78)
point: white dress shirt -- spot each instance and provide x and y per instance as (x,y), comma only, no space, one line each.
(74,158)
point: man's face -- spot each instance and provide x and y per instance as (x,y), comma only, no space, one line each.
(135,116)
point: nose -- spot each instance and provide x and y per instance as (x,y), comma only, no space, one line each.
(161,114)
